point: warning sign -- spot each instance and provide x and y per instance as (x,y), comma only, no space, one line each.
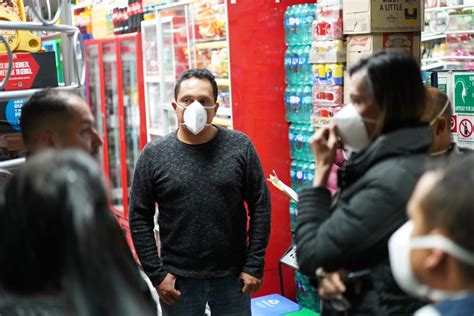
(463,93)
(454,123)
(465,128)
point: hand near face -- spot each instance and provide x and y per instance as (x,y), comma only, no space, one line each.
(324,144)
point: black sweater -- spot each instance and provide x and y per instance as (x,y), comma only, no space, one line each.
(200,191)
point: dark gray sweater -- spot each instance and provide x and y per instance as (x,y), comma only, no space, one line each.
(200,191)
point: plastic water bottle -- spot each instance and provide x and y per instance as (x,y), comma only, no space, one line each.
(291,138)
(294,65)
(293,170)
(287,102)
(293,215)
(288,65)
(297,25)
(309,152)
(306,105)
(299,105)
(288,21)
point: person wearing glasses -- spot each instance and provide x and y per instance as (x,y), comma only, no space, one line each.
(204,179)
(344,241)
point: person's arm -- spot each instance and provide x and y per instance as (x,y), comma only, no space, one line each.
(334,239)
(141,219)
(257,196)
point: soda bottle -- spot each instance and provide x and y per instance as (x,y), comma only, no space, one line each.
(296,29)
(291,138)
(299,77)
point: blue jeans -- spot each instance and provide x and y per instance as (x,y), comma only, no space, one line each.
(224,296)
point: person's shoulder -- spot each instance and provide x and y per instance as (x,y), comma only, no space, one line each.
(234,135)
(161,143)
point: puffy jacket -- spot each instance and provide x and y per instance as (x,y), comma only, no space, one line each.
(352,232)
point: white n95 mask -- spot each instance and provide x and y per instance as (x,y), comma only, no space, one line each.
(400,246)
(195,117)
(351,128)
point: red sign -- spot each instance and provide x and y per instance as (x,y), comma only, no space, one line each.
(454,123)
(24,72)
(465,128)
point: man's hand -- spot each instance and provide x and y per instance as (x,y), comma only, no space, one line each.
(166,290)
(332,285)
(251,284)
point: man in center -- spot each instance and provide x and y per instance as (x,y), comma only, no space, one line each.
(208,183)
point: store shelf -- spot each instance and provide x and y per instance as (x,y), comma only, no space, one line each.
(457,58)
(433,66)
(211,45)
(223,82)
(211,40)
(455,7)
(431,37)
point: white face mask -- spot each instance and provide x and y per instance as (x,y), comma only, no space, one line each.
(400,246)
(440,113)
(351,128)
(195,117)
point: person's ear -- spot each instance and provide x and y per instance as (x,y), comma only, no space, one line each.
(174,105)
(435,259)
(441,126)
(48,139)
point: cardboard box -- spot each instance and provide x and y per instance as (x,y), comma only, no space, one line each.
(30,70)
(360,46)
(378,16)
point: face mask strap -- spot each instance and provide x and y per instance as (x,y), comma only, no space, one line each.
(440,113)
(437,241)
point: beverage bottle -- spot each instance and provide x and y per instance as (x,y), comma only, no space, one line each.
(299,77)
(309,152)
(310,17)
(293,171)
(300,138)
(288,65)
(311,170)
(288,22)
(291,137)
(297,28)
(307,104)
(298,104)
(287,102)
(299,174)
(294,65)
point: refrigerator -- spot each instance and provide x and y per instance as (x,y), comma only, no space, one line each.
(184,35)
(116,96)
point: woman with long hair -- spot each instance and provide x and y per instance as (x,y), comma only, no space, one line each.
(61,249)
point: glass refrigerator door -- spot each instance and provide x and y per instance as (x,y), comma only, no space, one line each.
(94,91)
(113,132)
(155,120)
(131,107)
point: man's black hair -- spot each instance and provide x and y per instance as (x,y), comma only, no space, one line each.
(202,74)
(44,108)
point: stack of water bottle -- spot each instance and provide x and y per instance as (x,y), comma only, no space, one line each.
(298,96)
(328,70)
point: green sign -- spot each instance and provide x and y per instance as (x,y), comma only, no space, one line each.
(464,93)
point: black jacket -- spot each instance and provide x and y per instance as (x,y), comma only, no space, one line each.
(352,233)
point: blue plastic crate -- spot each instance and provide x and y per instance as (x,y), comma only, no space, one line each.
(272,305)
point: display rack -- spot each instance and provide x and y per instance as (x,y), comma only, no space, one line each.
(172,43)
(446,44)
(72,50)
